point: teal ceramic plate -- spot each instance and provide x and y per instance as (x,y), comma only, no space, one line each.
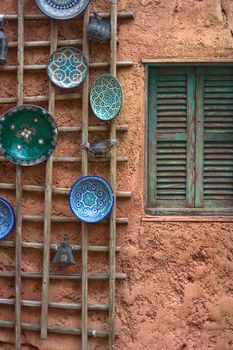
(67,67)
(106,97)
(28,135)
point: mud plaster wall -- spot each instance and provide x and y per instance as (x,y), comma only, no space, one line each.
(178,295)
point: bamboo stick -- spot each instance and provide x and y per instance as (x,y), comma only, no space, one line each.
(95,65)
(120,15)
(45,43)
(56,305)
(48,203)
(18,242)
(32,245)
(60,276)
(43,98)
(54,218)
(84,228)
(52,329)
(56,190)
(113,162)
(79,159)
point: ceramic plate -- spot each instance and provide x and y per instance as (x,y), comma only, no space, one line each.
(28,135)
(62,9)
(91,199)
(7,218)
(67,67)
(106,97)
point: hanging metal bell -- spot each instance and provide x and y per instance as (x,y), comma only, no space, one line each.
(64,256)
(98,29)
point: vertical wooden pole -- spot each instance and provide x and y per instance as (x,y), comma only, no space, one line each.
(48,203)
(18,243)
(112,240)
(84,229)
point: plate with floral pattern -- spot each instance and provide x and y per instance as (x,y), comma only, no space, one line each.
(67,67)
(91,199)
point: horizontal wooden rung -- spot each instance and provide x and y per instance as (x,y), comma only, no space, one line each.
(91,159)
(79,159)
(34,245)
(40,218)
(56,305)
(52,329)
(57,190)
(120,15)
(92,128)
(62,276)
(42,98)
(36,67)
(46,43)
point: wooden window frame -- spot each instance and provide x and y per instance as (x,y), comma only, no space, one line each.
(151,214)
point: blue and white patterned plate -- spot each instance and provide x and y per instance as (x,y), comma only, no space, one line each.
(106,96)
(7,218)
(91,199)
(67,67)
(62,9)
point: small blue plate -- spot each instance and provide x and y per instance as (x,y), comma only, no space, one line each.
(7,218)
(91,199)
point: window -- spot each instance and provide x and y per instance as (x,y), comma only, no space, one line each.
(189,166)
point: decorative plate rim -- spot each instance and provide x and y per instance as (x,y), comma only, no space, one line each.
(122,94)
(96,177)
(12,213)
(55,136)
(62,18)
(60,49)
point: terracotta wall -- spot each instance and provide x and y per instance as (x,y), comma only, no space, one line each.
(178,295)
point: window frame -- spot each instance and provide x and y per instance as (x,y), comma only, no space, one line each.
(178,212)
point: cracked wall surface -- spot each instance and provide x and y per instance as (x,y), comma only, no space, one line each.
(178,295)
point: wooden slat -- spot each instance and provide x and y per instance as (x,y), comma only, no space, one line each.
(33,245)
(18,243)
(84,227)
(56,305)
(120,15)
(48,203)
(61,276)
(56,330)
(79,159)
(61,218)
(92,65)
(44,43)
(113,162)
(55,190)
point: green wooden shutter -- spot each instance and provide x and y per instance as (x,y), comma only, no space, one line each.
(214,158)
(170,156)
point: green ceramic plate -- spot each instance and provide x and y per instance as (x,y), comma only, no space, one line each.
(28,135)
(106,96)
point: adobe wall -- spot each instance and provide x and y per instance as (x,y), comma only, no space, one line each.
(178,295)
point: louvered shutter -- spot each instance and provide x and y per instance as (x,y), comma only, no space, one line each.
(170,156)
(214,184)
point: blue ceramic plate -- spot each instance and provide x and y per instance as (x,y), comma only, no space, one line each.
(106,96)
(91,199)
(7,218)
(67,67)
(62,9)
